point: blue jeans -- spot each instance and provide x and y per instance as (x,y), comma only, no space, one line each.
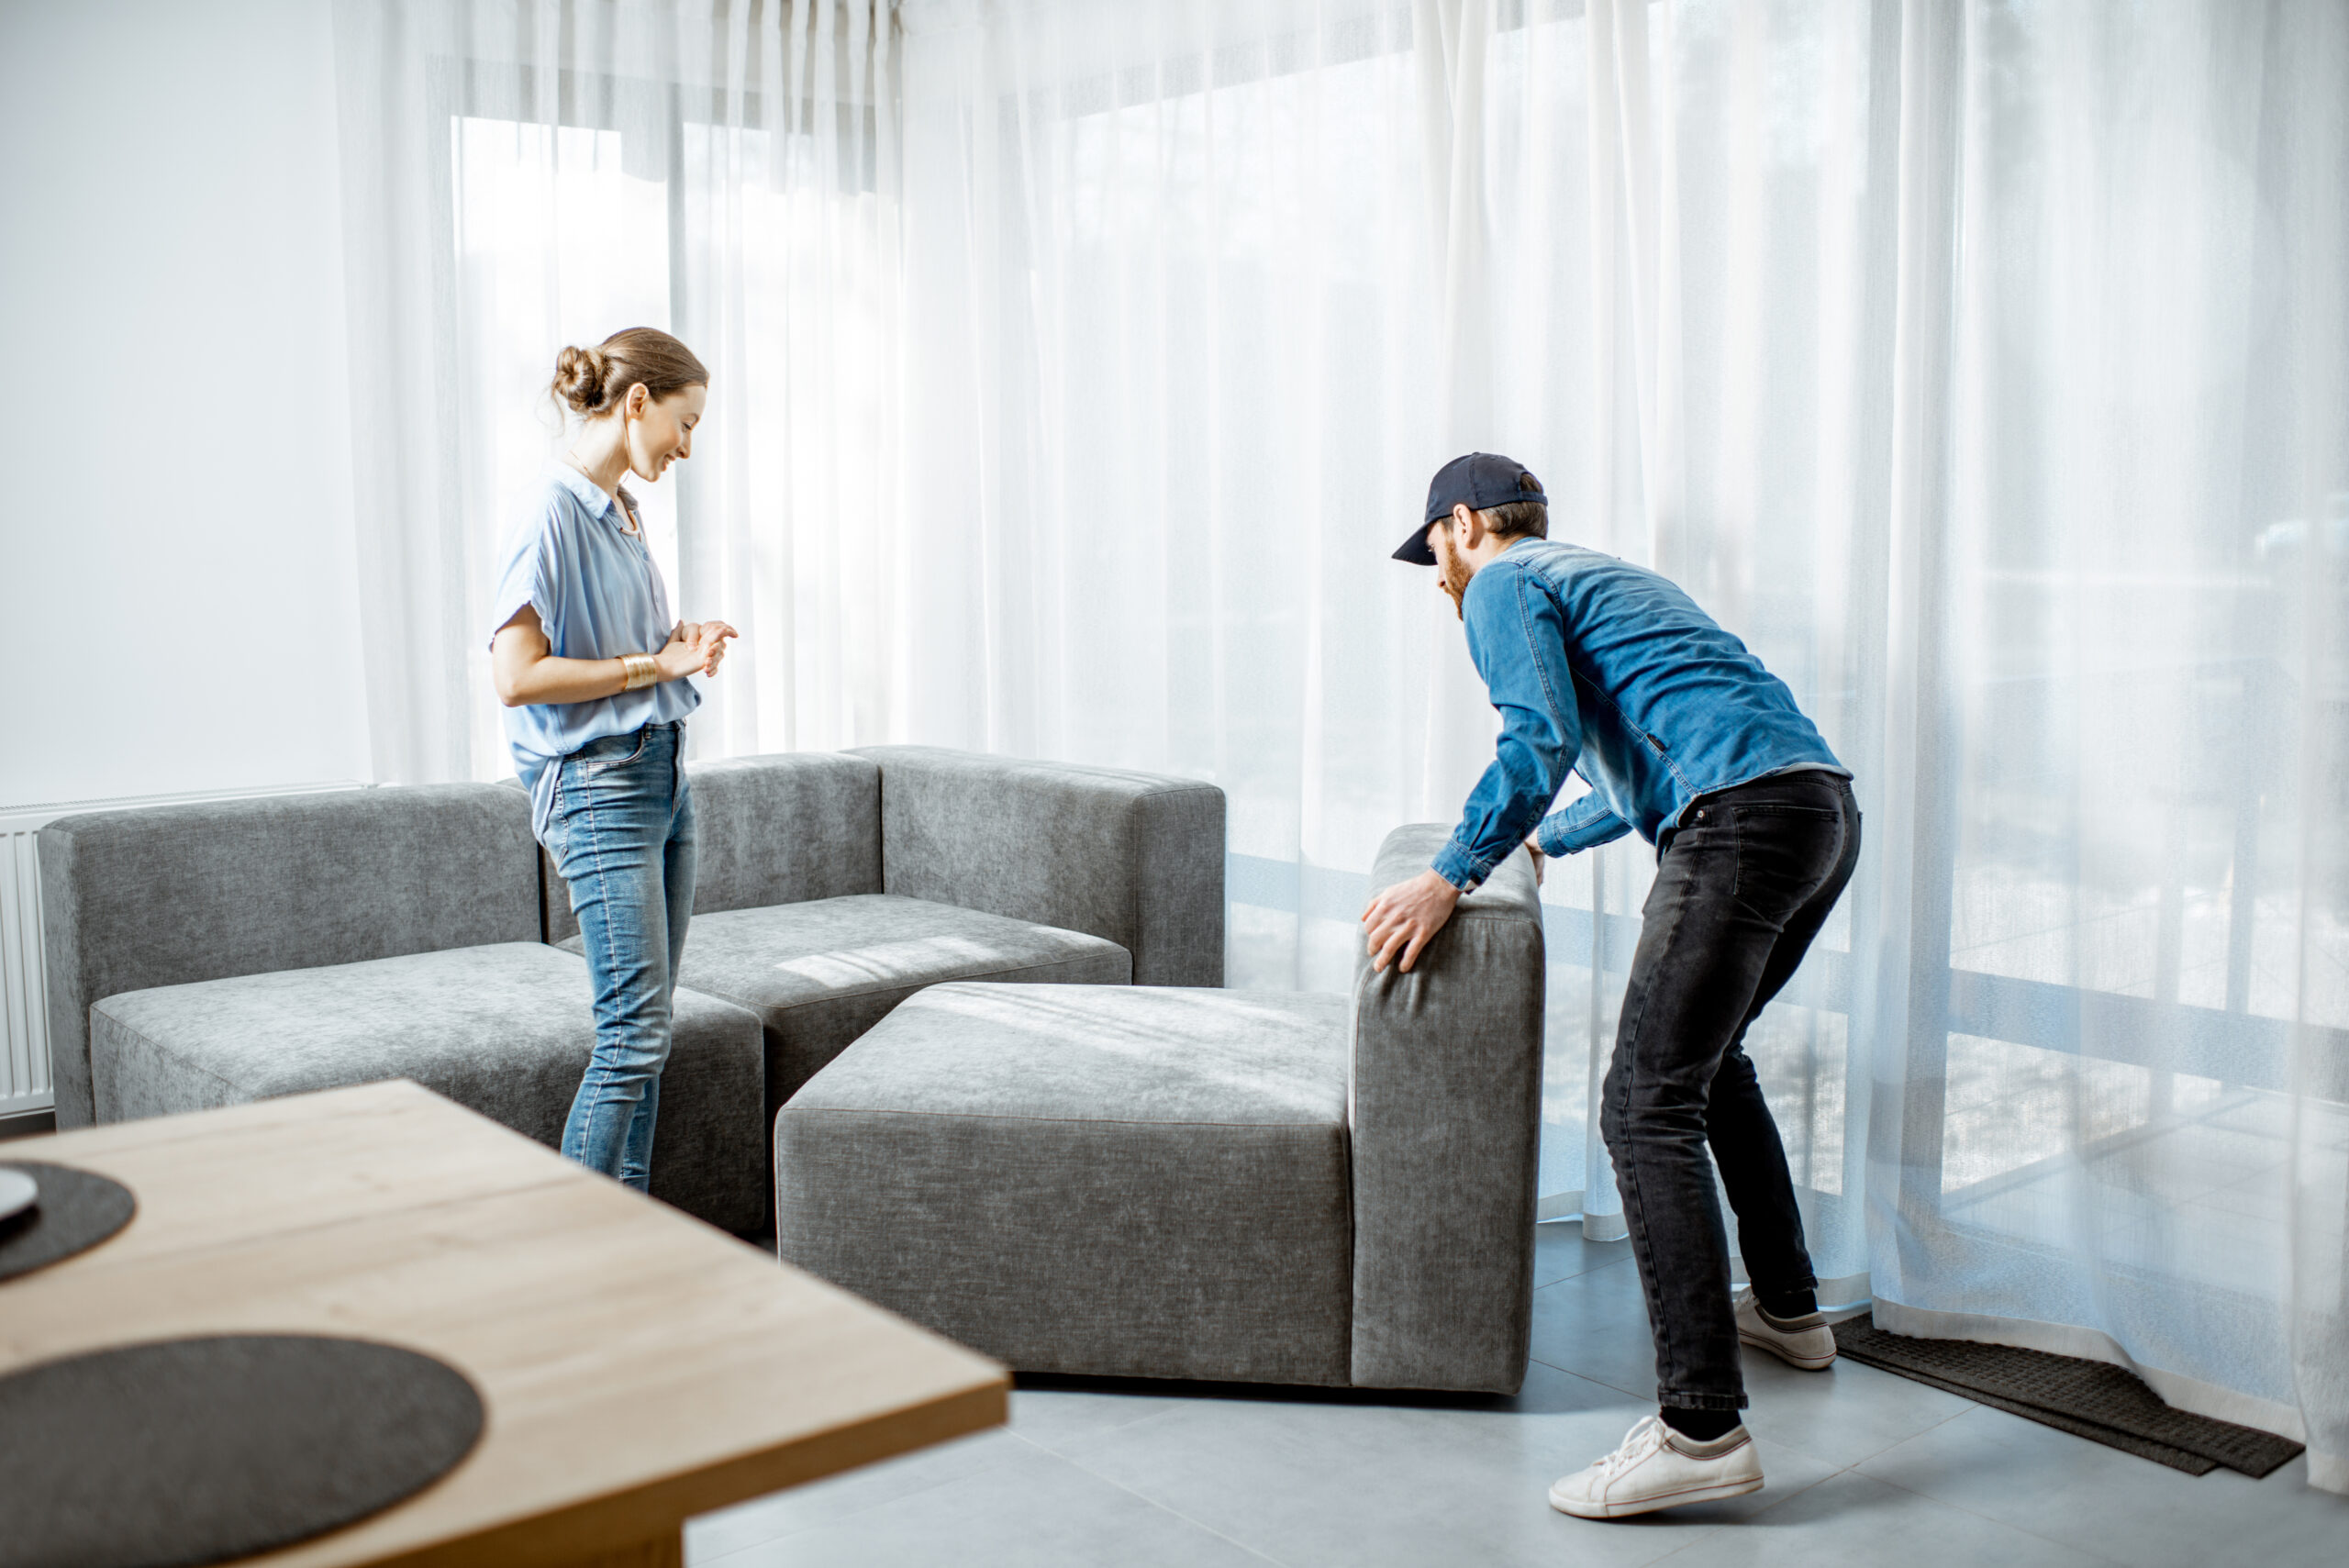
(1744,885)
(622,835)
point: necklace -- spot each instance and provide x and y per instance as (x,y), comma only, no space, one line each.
(626,511)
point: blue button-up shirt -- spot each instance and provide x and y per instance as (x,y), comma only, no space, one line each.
(598,595)
(1604,669)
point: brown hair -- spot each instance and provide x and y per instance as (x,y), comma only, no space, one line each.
(1514,519)
(592,381)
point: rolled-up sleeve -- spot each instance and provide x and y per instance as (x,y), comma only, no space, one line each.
(1585,825)
(528,577)
(1518,638)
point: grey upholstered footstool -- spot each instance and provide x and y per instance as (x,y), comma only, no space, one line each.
(1154,1182)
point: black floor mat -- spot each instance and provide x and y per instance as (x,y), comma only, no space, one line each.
(2091,1399)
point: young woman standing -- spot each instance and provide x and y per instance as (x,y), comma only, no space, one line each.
(592,670)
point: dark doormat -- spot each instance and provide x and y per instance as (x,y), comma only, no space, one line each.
(2090,1399)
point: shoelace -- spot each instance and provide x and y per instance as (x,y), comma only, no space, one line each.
(1637,1443)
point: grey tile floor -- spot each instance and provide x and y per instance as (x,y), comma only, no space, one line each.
(1865,1468)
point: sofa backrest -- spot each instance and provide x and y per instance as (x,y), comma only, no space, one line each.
(774,829)
(1136,859)
(1445,1109)
(163,896)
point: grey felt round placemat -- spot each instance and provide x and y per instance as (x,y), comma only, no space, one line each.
(77,1209)
(176,1453)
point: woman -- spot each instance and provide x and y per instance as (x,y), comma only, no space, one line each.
(593,673)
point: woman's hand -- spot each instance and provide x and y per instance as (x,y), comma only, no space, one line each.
(697,648)
(525,669)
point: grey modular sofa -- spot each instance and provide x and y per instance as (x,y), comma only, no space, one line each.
(211,954)
(1259,1186)
(208,954)
(832,886)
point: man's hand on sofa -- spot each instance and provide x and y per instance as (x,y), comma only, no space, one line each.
(1406,918)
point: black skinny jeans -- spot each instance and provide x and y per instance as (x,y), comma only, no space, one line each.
(1741,888)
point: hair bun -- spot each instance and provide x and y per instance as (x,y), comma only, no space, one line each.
(593,381)
(580,376)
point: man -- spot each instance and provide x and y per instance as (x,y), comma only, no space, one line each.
(1603,669)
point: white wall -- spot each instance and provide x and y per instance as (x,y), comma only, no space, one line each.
(178,600)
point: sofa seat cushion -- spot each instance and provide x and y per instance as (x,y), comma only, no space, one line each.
(504,1029)
(1144,1181)
(822,973)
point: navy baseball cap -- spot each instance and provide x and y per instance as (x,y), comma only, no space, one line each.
(1479,481)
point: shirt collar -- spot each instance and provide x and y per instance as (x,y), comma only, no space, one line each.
(589,494)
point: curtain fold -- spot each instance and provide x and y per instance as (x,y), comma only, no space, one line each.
(1078,363)
(521,174)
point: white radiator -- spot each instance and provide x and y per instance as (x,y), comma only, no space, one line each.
(25,1081)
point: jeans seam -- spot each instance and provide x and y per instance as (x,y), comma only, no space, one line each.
(1736,860)
(611,956)
(1635,1206)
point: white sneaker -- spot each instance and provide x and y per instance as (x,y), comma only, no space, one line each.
(1806,1341)
(1659,1468)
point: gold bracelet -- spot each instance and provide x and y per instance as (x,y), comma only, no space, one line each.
(639,670)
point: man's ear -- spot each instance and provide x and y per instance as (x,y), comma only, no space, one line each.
(1472,527)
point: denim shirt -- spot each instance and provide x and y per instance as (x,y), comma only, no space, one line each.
(598,595)
(1602,667)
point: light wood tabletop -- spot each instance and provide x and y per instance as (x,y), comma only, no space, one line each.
(637,1366)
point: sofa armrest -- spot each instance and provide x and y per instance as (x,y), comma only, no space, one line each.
(1134,858)
(1445,1107)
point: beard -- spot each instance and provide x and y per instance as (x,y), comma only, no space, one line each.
(1453,576)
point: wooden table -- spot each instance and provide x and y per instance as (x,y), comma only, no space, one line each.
(639,1367)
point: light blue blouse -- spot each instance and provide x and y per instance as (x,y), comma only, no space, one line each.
(598,595)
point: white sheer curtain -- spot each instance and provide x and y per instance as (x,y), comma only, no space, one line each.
(1250,273)
(1079,362)
(521,175)
(2108,1043)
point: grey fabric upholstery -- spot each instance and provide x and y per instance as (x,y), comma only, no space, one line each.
(1136,859)
(504,1029)
(774,829)
(1112,1180)
(821,974)
(171,895)
(1199,1183)
(1447,1090)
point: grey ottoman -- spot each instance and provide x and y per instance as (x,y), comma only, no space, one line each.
(1154,1182)
(1131,1180)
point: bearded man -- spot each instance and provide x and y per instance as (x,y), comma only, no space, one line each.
(1607,669)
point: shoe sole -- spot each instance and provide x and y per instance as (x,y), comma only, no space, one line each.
(1805,1363)
(1651,1504)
